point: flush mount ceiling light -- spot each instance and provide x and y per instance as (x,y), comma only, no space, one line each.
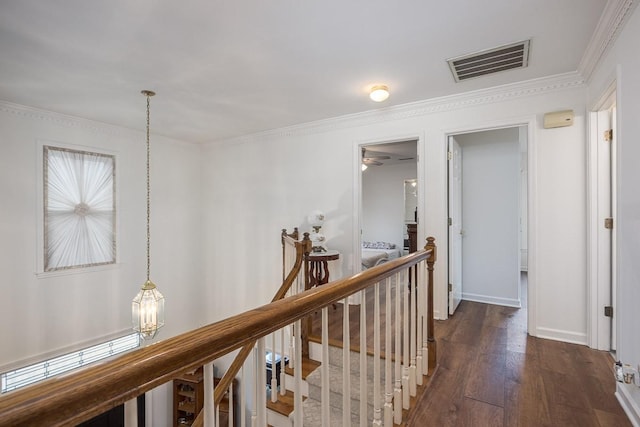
(379,93)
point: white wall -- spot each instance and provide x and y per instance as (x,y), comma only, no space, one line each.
(44,314)
(624,61)
(490,216)
(383,203)
(261,183)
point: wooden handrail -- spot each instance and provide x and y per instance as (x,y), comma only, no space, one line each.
(77,397)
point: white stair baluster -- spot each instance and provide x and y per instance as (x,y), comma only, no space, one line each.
(425,322)
(405,341)
(388,380)
(413,338)
(363,358)
(254,408)
(274,375)
(377,412)
(262,383)
(419,320)
(243,398)
(324,368)
(346,363)
(231,414)
(297,396)
(283,375)
(397,350)
(208,407)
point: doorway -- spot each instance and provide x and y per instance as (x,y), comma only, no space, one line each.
(487,205)
(389,191)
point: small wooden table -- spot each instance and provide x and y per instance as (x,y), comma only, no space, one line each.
(319,267)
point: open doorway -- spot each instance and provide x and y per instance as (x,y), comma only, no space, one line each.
(487,204)
(389,197)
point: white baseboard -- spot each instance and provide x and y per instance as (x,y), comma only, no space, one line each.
(508,302)
(560,335)
(629,397)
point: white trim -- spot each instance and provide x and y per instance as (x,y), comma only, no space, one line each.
(541,86)
(64,120)
(62,350)
(595,338)
(486,299)
(61,364)
(612,20)
(39,216)
(592,241)
(628,395)
(357,186)
(532,228)
(560,335)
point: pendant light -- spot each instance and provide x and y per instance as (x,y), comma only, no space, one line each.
(147,308)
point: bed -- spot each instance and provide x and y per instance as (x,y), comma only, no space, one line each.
(375,253)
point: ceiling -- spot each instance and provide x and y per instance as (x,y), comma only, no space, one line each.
(223,69)
(393,153)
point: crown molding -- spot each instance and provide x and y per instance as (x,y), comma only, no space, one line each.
(612,20)
(64,120)
(420,108)
(399,112)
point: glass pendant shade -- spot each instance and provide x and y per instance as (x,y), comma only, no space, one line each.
(147,311)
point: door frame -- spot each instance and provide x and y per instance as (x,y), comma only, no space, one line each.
(599,337)
(529,122)
(357,189)
(454,152)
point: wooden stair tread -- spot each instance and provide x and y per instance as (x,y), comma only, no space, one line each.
(284,405)
(308,366)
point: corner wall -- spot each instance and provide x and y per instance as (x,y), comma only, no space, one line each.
(53,313)
(622,64)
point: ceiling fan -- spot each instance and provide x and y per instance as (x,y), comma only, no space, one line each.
(371,158)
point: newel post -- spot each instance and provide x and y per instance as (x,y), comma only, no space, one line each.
(306,324)
(432,345)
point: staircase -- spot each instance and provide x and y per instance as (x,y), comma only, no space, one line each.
(282,411)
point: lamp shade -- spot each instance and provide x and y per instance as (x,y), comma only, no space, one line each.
(147,311)
(316,218)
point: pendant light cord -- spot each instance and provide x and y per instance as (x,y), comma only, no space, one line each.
(148,94)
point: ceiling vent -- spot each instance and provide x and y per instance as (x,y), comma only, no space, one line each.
(507,57)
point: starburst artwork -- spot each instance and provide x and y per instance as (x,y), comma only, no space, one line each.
(79,209)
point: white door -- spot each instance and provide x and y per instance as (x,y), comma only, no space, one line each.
(606,226)
(455,225)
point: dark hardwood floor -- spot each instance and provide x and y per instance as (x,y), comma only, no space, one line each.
(491,373)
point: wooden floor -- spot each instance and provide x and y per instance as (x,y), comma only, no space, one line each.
(491,373)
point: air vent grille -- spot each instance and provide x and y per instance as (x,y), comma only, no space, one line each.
(508,57)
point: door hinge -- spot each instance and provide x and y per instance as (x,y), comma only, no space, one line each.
(450,287)
(608,223)
(449,221)
(449,155)
(608,135)
(608,311)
